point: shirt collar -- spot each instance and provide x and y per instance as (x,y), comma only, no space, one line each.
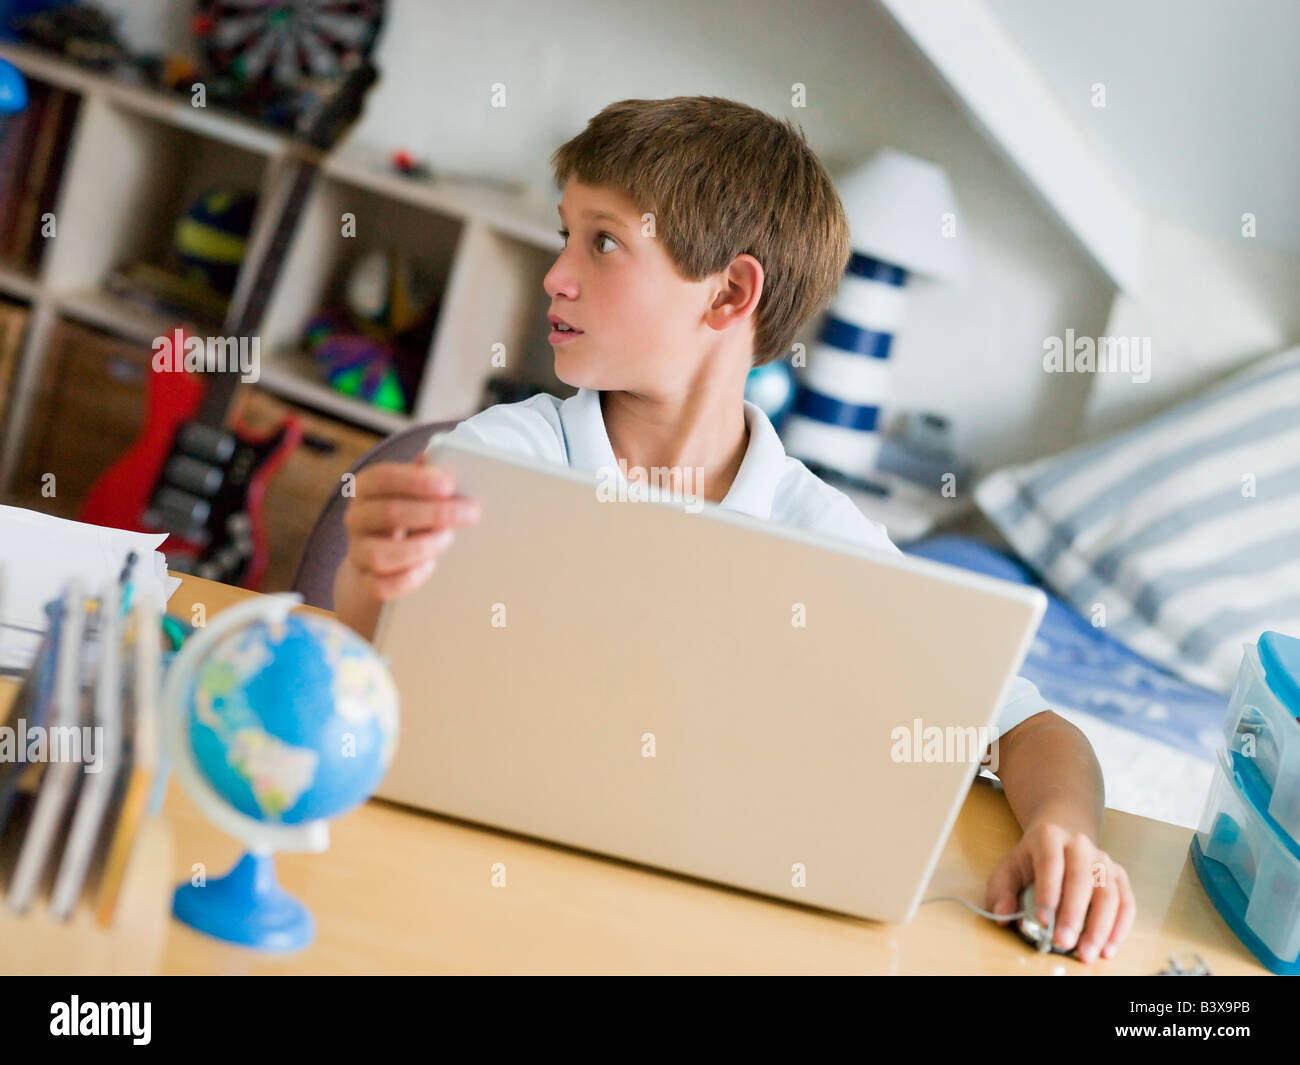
(753,489)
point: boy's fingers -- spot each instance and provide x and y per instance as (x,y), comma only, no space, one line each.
(380,556)
(400,584)
(1124,918)
(417,480)
(1049,871)
(1077,891)
(380,517)
(1100,920)
(1002,893)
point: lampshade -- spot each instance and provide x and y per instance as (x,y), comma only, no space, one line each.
(895,205)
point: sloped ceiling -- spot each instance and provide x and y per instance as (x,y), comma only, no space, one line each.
(1201,122)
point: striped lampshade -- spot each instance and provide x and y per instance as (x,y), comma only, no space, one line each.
(835,417)
(901,214)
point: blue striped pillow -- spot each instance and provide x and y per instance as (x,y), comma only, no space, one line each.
(1181,536)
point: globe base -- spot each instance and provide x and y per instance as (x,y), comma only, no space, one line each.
(247,906)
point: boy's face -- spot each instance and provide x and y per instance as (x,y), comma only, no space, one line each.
(643,327)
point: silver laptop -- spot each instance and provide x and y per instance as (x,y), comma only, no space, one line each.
(694,689)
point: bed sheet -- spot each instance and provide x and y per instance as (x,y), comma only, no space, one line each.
(1080,667)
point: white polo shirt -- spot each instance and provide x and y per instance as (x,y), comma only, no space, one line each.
(770,484)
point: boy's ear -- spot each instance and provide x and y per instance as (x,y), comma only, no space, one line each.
(742,288)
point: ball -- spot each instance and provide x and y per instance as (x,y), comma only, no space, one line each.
(211,238)
(771,388)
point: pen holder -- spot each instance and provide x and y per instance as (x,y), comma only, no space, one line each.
(1247,847)
(36,943)
(85,865)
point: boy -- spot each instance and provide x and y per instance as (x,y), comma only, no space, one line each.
(700,235)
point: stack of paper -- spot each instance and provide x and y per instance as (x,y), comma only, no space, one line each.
(39,554)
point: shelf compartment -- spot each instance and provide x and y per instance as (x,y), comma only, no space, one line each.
(130,179)
(495,297)
(89,408)
(314,275)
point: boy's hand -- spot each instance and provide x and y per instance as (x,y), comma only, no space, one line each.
(1090,893)
(404,515)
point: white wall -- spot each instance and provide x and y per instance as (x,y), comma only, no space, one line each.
(972,352)
(1209,306)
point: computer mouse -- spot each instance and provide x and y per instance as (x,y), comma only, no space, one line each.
(1034,931)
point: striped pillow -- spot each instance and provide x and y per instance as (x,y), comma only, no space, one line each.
(1181,536)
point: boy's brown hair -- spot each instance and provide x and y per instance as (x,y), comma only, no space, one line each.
(723,179)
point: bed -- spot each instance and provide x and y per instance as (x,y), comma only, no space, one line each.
(1163,550)
(1154,734)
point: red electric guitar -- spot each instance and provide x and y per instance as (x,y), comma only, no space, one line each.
(187,474)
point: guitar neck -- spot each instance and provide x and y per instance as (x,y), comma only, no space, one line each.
(250,300)
(323,124)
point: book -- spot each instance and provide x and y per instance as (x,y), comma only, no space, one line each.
(99,787)
(41,186)
(142,746)
(57,781)
(13,325)
(18,132)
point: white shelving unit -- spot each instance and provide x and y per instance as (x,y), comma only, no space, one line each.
(138,157)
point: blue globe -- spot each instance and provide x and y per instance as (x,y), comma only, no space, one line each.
(293,722)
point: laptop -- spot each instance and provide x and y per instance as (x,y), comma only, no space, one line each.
(693,689)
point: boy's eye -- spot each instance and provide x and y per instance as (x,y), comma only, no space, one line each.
(564,233)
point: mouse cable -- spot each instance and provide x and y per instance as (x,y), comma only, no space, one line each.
(971,905)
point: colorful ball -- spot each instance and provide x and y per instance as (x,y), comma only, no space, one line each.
(358,366)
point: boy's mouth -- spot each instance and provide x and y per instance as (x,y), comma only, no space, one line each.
(561,330)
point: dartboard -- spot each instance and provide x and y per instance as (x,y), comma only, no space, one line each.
(267,45)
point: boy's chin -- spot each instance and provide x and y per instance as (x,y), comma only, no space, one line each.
(576,372)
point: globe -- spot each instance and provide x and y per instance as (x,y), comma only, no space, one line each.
(276,723)
(294,721)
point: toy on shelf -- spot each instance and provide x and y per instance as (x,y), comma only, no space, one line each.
(406,164)
(13,89)
(211,238)
(409,166)
(373,347)
(80,32)
(173,71)
(202,266)
(354,364)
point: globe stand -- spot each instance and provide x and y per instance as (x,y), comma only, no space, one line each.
(247,906)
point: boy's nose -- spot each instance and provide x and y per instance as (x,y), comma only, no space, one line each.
(559,281)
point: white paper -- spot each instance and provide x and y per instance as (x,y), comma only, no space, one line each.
(40,553)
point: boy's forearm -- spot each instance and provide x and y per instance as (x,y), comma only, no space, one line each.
(352,606)
(1048,771)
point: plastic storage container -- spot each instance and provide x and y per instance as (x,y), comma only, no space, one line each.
(1261,730)
(1250,871)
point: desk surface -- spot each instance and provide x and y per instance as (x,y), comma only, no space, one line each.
(406,892)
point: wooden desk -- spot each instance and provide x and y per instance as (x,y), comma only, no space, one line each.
(406,892)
